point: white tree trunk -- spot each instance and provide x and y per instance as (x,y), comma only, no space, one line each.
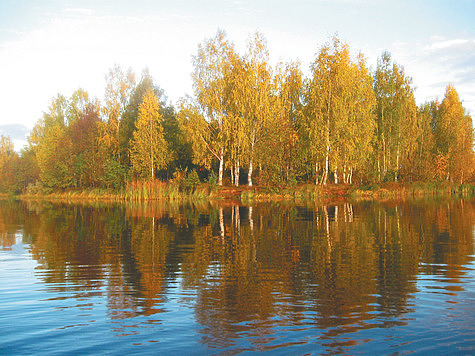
(236,174)
(327,158)
(221,167)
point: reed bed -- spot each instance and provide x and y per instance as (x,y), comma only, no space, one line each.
(306,192)
(416,189)
(181,191)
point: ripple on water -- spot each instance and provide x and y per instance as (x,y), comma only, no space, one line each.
(348,280)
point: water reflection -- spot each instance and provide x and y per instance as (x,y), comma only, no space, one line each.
(255,278)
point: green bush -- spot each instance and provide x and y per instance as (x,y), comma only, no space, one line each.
(192,181)
(213,181)
(114,174)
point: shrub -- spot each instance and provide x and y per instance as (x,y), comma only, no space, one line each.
(192,181)
(213,181)
(114,174)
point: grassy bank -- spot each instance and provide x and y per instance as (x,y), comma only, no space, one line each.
(416,189)
(304,192)
(172,191)
(134,191)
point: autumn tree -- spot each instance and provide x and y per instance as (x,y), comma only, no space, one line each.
(8,158)
(76,105)
(420,157)
(201,134)
(323,88)
(279,152)
(86,153)
(53,155)
(127,124)
(180,150)
(253,100)
(396,113)
(119,85)
(52,146)
(454,137)
(357,127)
(64,142)
(338,110)
(149,149)
(212,76)
(26,171)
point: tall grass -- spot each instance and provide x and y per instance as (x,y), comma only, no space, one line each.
(180,190)
(133,191)
(306,192)
(159,190)
(416,189)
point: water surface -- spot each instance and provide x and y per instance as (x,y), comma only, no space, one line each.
(347,278)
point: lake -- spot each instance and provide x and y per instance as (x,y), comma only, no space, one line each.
(342,278)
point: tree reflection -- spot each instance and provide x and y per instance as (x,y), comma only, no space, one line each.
(252,270)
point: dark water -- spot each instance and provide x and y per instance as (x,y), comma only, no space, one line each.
(360,278)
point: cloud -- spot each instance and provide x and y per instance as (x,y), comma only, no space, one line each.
(439,44)
(18,134)
(440,61)
(76,47)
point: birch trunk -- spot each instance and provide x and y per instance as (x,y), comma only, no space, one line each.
(221,166)
(327,158)
(236,174)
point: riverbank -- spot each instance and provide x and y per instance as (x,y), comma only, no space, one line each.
(394,190)
(157,190)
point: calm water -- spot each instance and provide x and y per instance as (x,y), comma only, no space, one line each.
(354,278)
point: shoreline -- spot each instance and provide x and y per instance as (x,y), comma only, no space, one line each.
(245,194)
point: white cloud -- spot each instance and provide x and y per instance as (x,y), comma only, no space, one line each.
(436,64)
(76,48)
(438,44)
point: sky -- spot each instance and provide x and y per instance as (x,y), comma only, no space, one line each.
(56,46)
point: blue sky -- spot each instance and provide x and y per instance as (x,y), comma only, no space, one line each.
(50,47)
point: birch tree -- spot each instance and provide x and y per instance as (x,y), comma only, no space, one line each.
(211,82)
(148,147)
(252,95)
(326,106)
(278,149)
(396,112)
(203,135)
(119,86)
(454,137)
(358,123)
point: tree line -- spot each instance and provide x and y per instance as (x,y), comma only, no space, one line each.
(248,121)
